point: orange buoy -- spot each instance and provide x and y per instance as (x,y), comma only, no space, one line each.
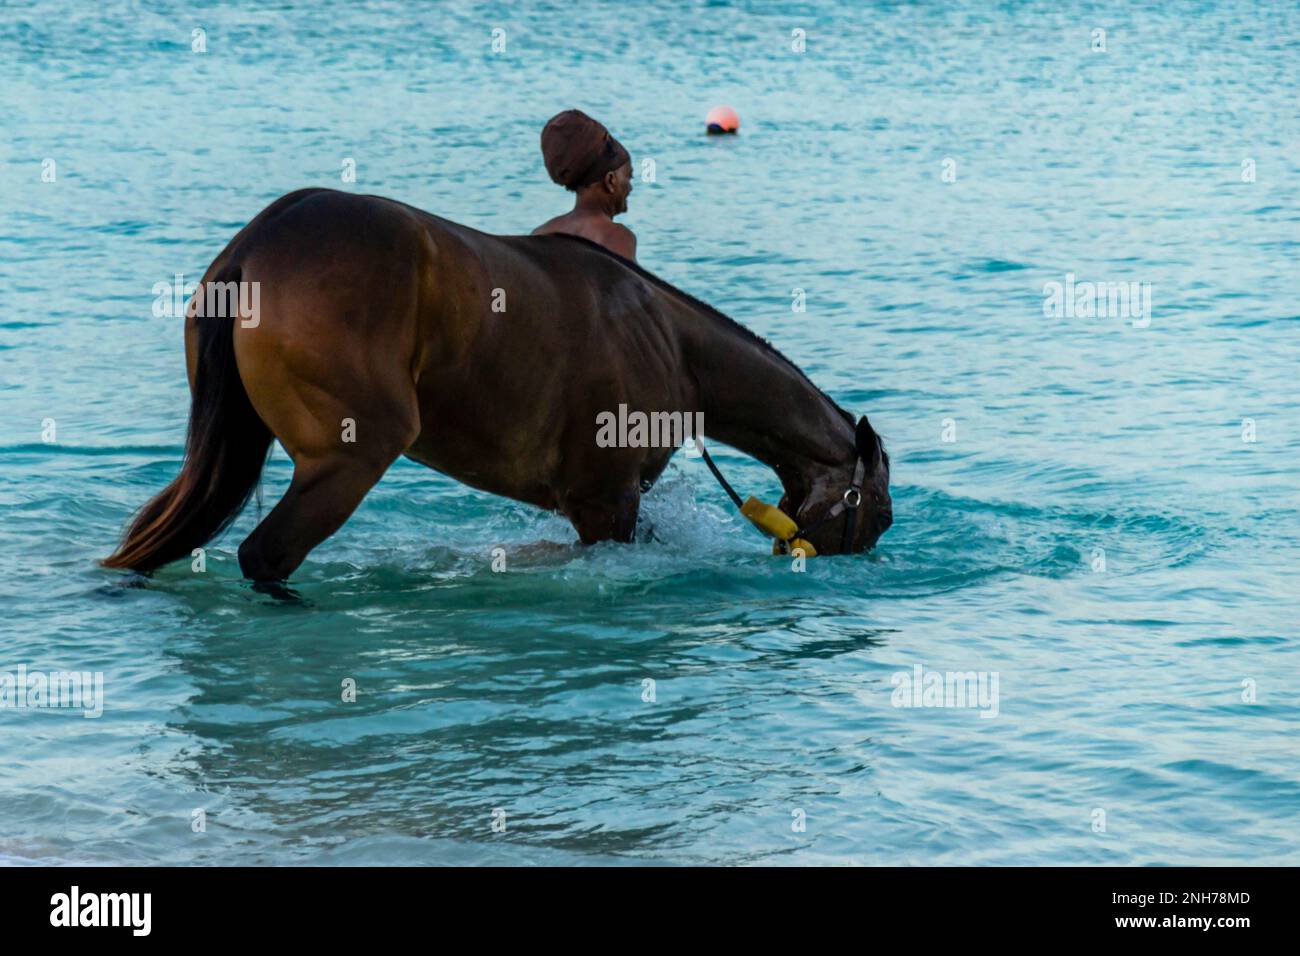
(722,119)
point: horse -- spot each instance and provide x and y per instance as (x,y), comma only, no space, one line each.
(381,330)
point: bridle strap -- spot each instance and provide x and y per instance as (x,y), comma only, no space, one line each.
(850,502)
(855,492)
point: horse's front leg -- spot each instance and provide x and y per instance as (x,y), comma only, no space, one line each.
(604,515)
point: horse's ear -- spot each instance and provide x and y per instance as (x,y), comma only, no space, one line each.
(867,442)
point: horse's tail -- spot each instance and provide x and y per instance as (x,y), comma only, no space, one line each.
(225,450)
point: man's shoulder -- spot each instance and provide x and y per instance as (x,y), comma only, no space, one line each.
(620,239)
(551,225)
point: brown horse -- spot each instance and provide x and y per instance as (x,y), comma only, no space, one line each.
(381,330)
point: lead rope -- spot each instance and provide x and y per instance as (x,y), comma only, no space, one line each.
(718,475)
(850,502)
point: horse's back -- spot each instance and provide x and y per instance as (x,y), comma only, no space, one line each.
(464,345)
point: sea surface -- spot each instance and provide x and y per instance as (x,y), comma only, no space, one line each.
(1101,513)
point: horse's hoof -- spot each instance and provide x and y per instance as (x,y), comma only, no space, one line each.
(132,579)
(278,590)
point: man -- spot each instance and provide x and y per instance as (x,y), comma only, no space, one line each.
(581,156)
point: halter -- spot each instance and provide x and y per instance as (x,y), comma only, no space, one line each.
(787,534)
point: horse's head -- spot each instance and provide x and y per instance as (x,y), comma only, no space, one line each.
(845,509)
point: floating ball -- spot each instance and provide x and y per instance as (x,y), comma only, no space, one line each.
(722,119)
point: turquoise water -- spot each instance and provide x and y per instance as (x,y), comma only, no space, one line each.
(1099,536)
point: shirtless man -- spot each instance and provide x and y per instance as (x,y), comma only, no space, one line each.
(581,156)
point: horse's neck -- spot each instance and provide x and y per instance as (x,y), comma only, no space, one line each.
(757,402)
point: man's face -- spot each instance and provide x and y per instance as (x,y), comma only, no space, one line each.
(620,184)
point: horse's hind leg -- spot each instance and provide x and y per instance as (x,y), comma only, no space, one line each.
(323,494)
(326,372)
